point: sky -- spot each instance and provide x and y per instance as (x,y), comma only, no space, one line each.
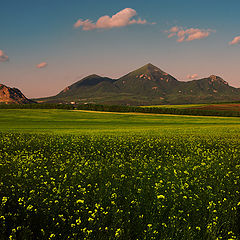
(47,45)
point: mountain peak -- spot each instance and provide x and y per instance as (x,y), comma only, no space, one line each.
(90,81)
(93,76)
(148,69)
(215,78)
(149,75)
(150,65)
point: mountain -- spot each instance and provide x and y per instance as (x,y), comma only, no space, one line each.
(207,90)
(147,80)
(92,84)
(147,85)
(12,95)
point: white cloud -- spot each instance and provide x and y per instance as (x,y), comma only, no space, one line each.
(42,65)
(120,19)
(192,76)
(187,35)
(3,57)
(236,40)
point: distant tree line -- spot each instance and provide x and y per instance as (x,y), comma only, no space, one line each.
(124,108)
(158,110)
(37,106)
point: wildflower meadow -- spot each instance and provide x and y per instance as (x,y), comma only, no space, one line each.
(122,186)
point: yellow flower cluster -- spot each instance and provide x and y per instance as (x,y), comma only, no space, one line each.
(119,187)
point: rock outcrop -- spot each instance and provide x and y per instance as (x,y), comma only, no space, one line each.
(12,95)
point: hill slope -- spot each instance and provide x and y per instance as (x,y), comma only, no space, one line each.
(91,86)
(12,95)
(146,86)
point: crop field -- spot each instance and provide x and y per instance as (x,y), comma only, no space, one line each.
(90,122)
(89,175)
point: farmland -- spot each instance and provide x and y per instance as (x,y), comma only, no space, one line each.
(92,175)
(90,122)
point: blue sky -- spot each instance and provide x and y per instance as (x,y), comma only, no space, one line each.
(43,32)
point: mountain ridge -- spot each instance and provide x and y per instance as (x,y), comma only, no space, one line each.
(146,85)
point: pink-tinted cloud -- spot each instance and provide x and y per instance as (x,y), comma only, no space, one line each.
(187,35)
(236,40)
(173,31)
(42,65)
(86,25)
(120,19)
(139,21)
(192,76)
(3,57)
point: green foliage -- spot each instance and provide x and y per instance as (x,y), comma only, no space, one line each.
(158,110)
(119,186)
(180,106)
(37,106)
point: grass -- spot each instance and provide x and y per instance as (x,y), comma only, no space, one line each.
(85,122)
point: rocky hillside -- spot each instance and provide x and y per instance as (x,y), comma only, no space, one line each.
(12,95)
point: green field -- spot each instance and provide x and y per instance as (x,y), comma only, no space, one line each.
(86,122)
(93,175)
